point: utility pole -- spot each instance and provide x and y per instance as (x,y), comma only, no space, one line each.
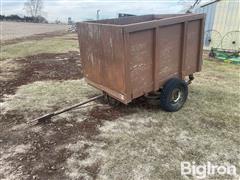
(98,15)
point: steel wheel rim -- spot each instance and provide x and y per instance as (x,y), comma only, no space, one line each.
(212,39)
(176,95)
(231,41)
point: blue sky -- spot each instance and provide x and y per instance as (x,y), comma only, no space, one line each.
(86,9)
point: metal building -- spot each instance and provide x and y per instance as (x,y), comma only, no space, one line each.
(222,16)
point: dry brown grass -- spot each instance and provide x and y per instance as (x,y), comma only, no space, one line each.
(150,144)
(47,96)
(9,69)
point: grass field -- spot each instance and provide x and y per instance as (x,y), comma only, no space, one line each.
(103,142)
(60,44)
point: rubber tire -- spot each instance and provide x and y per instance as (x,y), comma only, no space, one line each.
(166,93)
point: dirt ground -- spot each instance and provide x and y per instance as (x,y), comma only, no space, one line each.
(43,160)
(37,36)
(13,30)
(38,68)
(99,141)
(45,66)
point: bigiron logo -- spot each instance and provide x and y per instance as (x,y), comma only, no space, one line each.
(208,169)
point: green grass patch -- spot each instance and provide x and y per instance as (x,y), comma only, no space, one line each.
(60,44)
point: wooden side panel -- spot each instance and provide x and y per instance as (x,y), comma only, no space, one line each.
(102,55)
(169,53)
(141,62)
(192,46)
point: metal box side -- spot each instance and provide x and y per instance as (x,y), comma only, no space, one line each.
(102,56)
(128,58)
(170,46)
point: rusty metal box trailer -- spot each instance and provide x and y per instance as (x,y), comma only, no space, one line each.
(132,56)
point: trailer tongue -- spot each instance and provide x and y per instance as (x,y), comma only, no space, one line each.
(48,116)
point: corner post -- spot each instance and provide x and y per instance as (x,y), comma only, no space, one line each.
(156,58)
(184,47)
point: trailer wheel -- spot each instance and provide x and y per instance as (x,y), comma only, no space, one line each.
(173,95)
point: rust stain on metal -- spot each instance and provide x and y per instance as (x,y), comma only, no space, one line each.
(131,56)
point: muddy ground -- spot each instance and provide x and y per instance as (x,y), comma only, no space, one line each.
(137,141)
(43,160)
(38,68)
(13,30)
(41,67)
(36,36)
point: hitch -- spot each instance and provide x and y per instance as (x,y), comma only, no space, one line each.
(191,78)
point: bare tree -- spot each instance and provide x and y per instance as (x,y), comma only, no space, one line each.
(34,7)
